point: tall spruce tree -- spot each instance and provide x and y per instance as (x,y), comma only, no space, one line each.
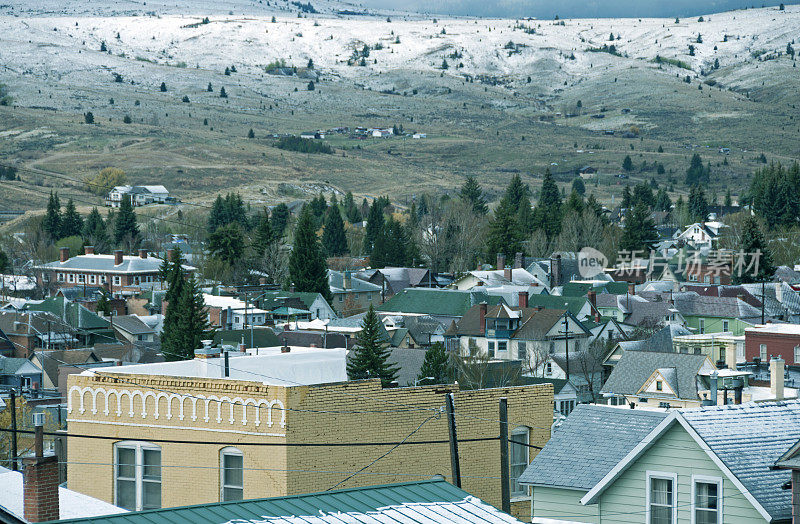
(697,173)
(548,212)
(280,219)
(52,219)
(95,232)
(756,264)
(307,268)
(698,205)
(71,221)
(264,235)
(186,321)
(504,235)
(333,238)
(471,192)
(216,216)
(125,224)
(371,357)
(640,231)
(375,223)
(227,243)
(351,209)
(436,365)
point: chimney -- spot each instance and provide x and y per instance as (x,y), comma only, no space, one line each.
(88,250)
(501,261)
(142,253)
(262,281)
(523,299)
(730,355)
(285,348)
(204,354)
(776,370)
(170,255)
(555,270)
(518,261)
(40,480)
(631,288)
(63,254)
(347,280)
(508,274)
(714,394)
(117,257)
(482,322)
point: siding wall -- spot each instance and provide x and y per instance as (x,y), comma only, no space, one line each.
(675,452)
(563,504)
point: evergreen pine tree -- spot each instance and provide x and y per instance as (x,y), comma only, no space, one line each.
(471,192)
(627,163)
(579,186)
(280,219)
(125,224)
(333,238)
(264,235)
(757,263)
(71,221)
(547,215)
(103,306)
(697,173)
(351,210)
(227,243)
(698,205)
(627,198)
(435,365)
(95,232)
(375,223)
(370,356)
(728,198)
(640,231)
(307,268)
(5,263)
(52,219)
(504,234)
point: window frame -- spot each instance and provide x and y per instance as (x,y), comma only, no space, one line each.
(522,351)
(797,354)
(705,479)
(491,348)
(726,325)
(138,447)
(701,326)
(515,434)
(234,452)
(663,475)
(762,352)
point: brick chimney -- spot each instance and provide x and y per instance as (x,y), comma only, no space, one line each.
(347,280)
(631,288)
(482,322)
(508,273)
(117,257)
(592,296)
(40,480)
(518,261)
(170,255)
(142,253)
(523,299)
(63,254)
(776,370)
(501,261)
(88,250)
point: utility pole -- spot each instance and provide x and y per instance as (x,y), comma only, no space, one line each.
(13,399)
(455,467)
(566,342)
(763,300)
(505,478)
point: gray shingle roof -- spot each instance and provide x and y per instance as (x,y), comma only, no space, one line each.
(336,283)
(635,367)
(589,443)
(720,307)
(105,263)
(749,438)
(132,324)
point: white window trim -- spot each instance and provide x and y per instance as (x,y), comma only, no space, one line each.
(138,448)
(230,450)
(516,432)
(708,480)
(662,475)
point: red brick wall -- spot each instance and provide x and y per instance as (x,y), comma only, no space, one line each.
(41,489)
(777,345)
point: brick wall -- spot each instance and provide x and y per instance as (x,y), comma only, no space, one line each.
(777,345)
(354,412)
(40,488)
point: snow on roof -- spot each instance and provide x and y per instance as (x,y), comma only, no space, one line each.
(17,282)
(778,329)
(301,366)
(71,504)
(230,302)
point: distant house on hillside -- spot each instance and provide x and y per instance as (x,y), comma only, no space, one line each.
(139,195)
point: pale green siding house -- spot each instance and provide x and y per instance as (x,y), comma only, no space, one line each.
(706,465)
(716,314)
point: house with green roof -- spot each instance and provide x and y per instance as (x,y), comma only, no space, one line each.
(423,502)
(443,304)
(314,303)
(88,327)
(580,307)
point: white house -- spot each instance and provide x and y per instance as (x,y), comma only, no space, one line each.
(701,235)
(139,195)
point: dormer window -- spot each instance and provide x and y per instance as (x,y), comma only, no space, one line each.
(659,385)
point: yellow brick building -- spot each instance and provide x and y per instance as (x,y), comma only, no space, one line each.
(240,438)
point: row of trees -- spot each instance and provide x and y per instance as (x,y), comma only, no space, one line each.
(118,229)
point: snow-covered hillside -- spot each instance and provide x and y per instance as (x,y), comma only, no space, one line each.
(68,47)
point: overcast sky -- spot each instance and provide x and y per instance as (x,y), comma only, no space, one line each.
(546,9)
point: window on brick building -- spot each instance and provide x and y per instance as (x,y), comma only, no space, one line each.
(762,352)
(137,476)
(231,465)
(797,355)
(518,459)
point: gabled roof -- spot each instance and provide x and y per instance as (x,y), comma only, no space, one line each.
(273,299)
(74,314)
(132,324)
(539,324)
(422,502)
(10,365)
(436,302)
(52,360)
(720,307)
(743,440)
(336,283)
(422,327)
(588,444)
(635,368)
(573,304)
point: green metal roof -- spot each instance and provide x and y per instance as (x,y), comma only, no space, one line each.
(261,337)
(573,304)
(446,302)
(290,311)
(580,289)
(385,504)
(76,315)
(272,299)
